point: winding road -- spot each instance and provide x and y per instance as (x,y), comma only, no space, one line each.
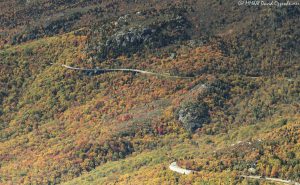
(174,167)
(124,70)
(271,179)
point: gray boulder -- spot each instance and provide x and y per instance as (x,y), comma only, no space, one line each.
(193,115)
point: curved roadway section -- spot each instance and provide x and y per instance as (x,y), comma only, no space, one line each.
(124,70)
(174,167)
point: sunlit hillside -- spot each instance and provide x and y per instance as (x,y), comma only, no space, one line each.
(213,86)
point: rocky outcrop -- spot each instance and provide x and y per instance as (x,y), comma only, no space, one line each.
(130,34)
(193,115)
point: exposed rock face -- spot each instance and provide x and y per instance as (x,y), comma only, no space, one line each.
(128,41)
(193,115)
(129,34)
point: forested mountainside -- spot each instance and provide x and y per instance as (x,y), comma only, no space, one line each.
(225,104)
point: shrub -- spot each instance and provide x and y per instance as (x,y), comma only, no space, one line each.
(28,51)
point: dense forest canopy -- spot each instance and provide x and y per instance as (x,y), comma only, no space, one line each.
(235,116)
